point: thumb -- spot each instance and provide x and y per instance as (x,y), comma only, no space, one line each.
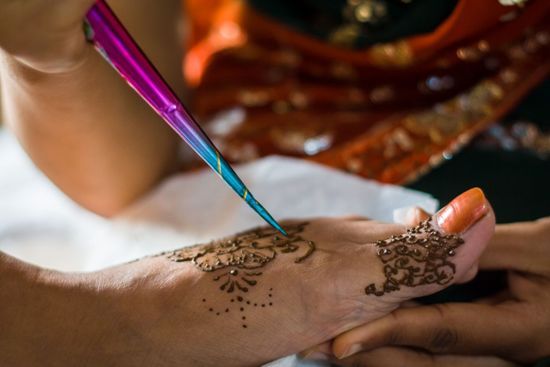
(438,252)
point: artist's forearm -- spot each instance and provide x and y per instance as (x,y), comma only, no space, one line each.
(85,128)
(87,131)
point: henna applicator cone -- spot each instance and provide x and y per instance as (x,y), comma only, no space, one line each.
(113,41)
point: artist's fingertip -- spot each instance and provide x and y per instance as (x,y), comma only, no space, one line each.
(463,211)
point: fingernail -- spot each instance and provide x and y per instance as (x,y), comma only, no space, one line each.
(355,348)
(463,211)
(315,356)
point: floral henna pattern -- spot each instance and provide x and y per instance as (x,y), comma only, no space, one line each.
(418,257)
(246,252)
(237,262)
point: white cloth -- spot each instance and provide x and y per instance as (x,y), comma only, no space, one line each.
(40,225)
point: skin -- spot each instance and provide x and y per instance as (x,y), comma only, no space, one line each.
(77,119)
(52,102)
(508,329)
(151,312)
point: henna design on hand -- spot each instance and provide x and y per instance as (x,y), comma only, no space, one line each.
(237,260)
(418,257)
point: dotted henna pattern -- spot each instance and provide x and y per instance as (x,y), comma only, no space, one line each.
(237,261)
(418,257)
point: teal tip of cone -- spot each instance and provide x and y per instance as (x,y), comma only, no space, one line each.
(280,229)
(269,219)
(258,208)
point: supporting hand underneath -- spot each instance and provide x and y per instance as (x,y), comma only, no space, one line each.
(508,329)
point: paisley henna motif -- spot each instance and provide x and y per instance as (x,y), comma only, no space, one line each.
(237,261)
(243,254)
(418,257)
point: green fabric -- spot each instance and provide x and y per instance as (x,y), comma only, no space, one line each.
(319,18)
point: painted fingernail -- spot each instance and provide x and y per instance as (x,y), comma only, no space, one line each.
(463,211)
(355,348)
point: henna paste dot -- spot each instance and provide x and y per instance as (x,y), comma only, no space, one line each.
(204,300)
(255,304)
(242,309)
(384,251)
(247,302)
(234,272)
(263,305)
(244,317)
(217,314)
(232,300)
(244,326)
(227,310)
(270,303)
(210,309)
(240,299)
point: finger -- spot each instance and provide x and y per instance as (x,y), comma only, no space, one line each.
(519,246)
(496,299)
(319,352)
(447,328)
(410,216)
(399,357)
(410,304)
(428,258)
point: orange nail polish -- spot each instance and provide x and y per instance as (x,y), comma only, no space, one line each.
(463,211)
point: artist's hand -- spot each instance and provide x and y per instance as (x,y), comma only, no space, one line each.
(256,296)
(44,35)
(509,328)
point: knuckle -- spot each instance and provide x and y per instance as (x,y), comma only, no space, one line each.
(443,339)
(393,336)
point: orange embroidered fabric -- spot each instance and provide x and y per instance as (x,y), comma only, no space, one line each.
(388,112)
